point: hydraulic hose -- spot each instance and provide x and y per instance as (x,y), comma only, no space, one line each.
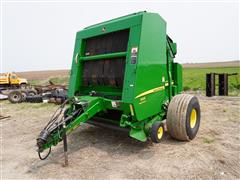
(42,158)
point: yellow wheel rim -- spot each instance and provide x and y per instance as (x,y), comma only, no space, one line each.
(160,132)
(193,118)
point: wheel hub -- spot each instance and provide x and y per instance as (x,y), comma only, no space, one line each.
(193,118)
(160,132)
(16,97)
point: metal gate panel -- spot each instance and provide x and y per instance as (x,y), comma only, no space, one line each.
(104,72)
(107,43)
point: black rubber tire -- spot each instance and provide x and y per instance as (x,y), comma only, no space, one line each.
(179,114)
(154,132)
(34,99)
(24,95)
(15,97)
(32,93)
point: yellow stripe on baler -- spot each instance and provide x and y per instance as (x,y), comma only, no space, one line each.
(150,91)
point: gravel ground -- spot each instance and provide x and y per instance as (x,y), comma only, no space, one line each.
(96,153)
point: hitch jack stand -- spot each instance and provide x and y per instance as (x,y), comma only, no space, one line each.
(65,146)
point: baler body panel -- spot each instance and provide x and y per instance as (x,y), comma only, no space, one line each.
(127,61)
(151,72)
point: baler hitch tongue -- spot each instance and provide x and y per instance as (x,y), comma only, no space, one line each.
(65,121)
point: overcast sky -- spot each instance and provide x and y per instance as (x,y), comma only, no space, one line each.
(40,36)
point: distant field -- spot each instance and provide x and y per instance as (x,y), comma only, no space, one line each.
(212,64)
(195,78)
(41,75)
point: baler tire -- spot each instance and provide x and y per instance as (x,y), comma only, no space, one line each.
(15,97)
(183,117)
(157,132)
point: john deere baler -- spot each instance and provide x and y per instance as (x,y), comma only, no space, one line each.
(123,76)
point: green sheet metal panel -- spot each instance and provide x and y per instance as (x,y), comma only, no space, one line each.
(177,77)
(130,70)
(76,70)
(127,22)
(151,72)
(146,82)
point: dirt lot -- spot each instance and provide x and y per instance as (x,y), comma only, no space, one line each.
(96,153)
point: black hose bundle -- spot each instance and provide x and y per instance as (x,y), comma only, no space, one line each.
(52,124)
(56,123)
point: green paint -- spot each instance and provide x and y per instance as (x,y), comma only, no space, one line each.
(148,84)
(103,56)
